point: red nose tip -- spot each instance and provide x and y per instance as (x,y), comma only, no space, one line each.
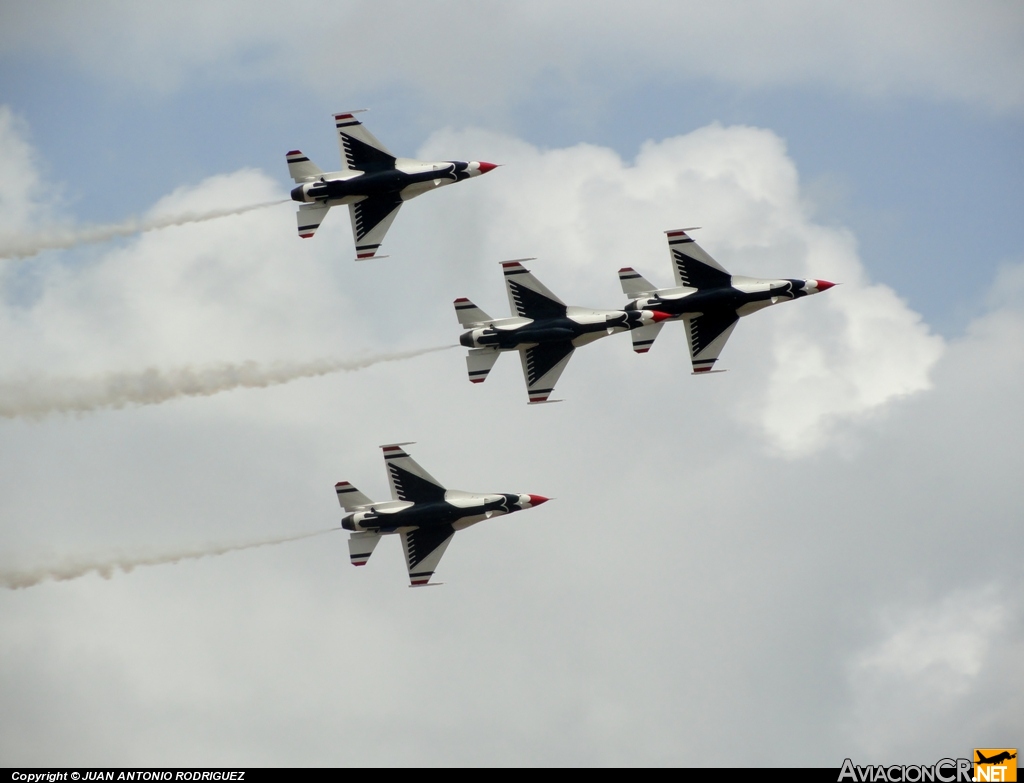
(660,316)
(536,500)
(485,167)
(824,285)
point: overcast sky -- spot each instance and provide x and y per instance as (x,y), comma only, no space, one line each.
(813,556)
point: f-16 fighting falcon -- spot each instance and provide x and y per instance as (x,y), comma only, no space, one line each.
(543,329)
(372,182)
(706,298)
(422,512)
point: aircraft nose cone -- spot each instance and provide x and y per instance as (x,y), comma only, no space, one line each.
(823,285)
(536,500)
(659,316)
(485,167)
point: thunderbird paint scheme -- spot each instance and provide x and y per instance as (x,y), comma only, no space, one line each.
(543,329)
(706,298)
(372,182)
(421,511)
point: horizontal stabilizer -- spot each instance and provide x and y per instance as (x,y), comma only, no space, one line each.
(301,168)
(479,362)
(361,546)
(644,336)
(309,217)
(633,283)
(349,497)
(469,314)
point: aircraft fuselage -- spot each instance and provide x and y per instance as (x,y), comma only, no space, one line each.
(409,177)
(578,326)
(744,296)
(458,509)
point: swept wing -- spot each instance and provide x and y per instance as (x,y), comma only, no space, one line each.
(408,480)
(542,366)
(707,335)
(371,219)
(692,265)
(360,149)
(527,296)
(424,548)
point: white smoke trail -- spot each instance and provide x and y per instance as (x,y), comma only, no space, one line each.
(72,568)
(62,238)
(36,397)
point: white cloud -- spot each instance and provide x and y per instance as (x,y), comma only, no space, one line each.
(685,596)
(473,53)
(931,660)
(940,648)
(224,293)
(20,179)
(839,356)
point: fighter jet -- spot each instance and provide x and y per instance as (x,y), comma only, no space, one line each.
(543,329)
(372,182)
(422,512)
(706,298)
